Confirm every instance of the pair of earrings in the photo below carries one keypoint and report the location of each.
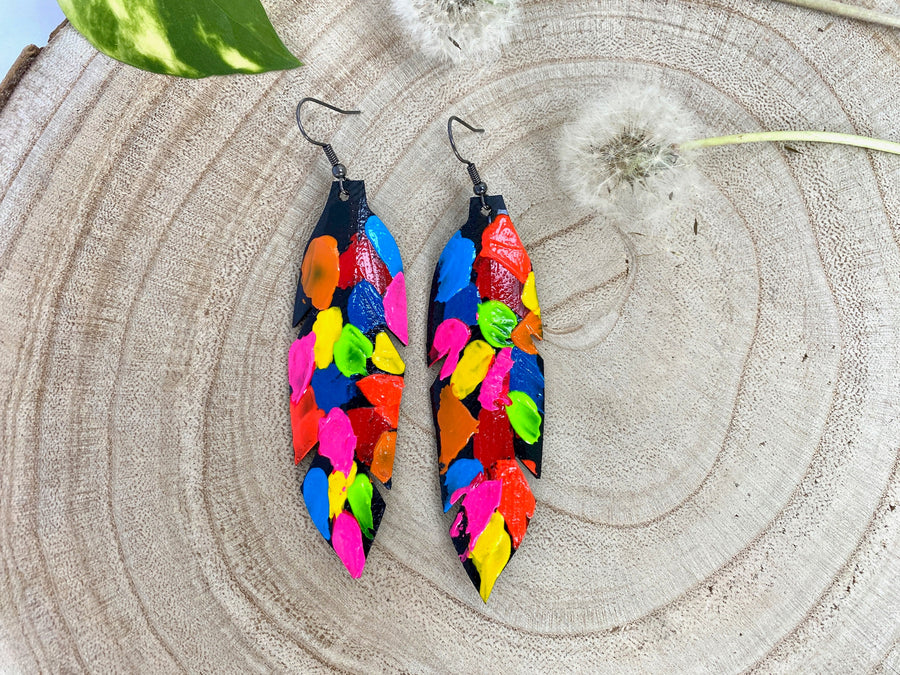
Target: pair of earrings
(346, 373)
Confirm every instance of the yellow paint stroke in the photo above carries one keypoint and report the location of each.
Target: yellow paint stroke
(491, 553)
(529, 295)
(471, 369)
(337, 490)
(327, 328)
(386, 357)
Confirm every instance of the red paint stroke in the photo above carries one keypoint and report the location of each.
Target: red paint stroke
(383, 392)
(361, 261)
(305, 416)
(516, 501)
(368, 425)
(495, 282)
(501, 242)
(494, 440)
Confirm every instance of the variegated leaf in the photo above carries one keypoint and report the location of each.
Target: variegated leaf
(187, 39)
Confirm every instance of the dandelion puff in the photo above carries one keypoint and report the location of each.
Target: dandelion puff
(457, 30)
(621, 155)
(629, 157)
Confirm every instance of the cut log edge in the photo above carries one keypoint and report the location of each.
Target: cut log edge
(15, 74)
(21, 66)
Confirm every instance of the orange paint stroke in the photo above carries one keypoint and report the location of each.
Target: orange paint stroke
(382, 466)
(321, 271)
(456, 424)
(529, 328)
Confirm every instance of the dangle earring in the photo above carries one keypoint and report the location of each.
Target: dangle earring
(345, 374)
(488, 399)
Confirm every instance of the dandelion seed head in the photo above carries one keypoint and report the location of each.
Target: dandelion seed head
(458, 30)
(621, 154)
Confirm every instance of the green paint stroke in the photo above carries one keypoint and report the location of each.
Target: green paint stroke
(524, 416)
(496, 322)
(360, 497)
(176, 37)
(351, 351)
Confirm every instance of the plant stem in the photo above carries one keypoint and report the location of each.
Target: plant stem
(849, 11)
(796, 137)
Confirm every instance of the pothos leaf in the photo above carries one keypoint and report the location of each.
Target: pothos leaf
(194, 38)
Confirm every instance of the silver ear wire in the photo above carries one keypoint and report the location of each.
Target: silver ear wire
(338, 170)
(479, 187)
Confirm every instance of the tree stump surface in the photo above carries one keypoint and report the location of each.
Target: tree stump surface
(721, 484)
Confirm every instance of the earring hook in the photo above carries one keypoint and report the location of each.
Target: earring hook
(450, 122)
(338, 170)
(479, 187)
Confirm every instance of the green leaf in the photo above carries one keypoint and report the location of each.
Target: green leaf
(188, 38)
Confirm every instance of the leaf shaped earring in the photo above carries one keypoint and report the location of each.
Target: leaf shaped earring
(345, 374)
(488, 399)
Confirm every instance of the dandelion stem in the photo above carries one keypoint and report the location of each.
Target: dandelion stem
(849, 11)
(795, 137)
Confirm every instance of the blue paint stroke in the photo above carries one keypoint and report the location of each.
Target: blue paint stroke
(455, 267)
(384, 244)
(315, 494)
(365, 308)
(527, 376)
(464, 306)
(460, 474)
(332, 388)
